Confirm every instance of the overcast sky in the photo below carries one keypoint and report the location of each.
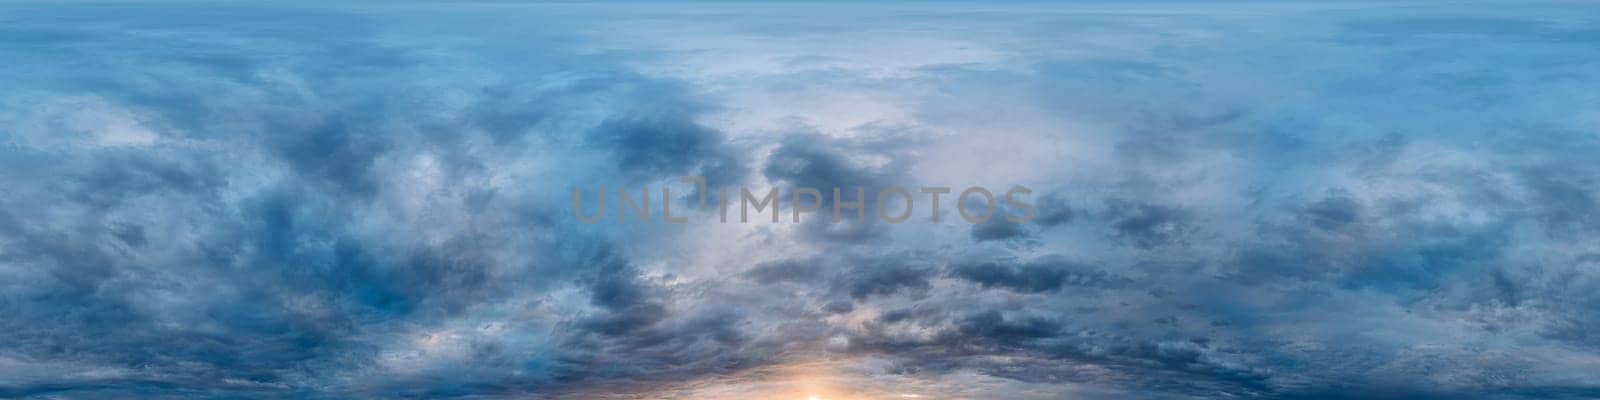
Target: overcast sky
(372, 200)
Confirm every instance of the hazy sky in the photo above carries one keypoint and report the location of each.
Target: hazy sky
(372, 200)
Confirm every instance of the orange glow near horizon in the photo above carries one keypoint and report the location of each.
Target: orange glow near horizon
(818, 380)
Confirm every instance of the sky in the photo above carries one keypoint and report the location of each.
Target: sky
(331, 200)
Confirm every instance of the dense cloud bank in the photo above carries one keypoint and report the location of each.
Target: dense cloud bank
(371, 201)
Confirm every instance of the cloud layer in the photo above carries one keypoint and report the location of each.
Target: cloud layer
(372, 201)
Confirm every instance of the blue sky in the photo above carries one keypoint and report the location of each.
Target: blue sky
(371, 200)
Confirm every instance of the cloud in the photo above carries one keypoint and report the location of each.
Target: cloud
(371, 201)
(997, 228)
(1046, 275)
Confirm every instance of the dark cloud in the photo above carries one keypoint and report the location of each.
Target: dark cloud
(1046, 275)
(1053, 211)
(1335, 211)
(864, 279)
(1148, 225)
(810, 160)
(996, 327)
(668, 147)
(629, 304)
(997, 228)
(785, 271)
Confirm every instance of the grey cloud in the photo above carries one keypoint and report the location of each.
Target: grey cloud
(997, 228)
(881, 278)
(824, 163)
(785, 271)
(668, 147)
(1045, 275)
(1148, 225)
(1053, 211)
